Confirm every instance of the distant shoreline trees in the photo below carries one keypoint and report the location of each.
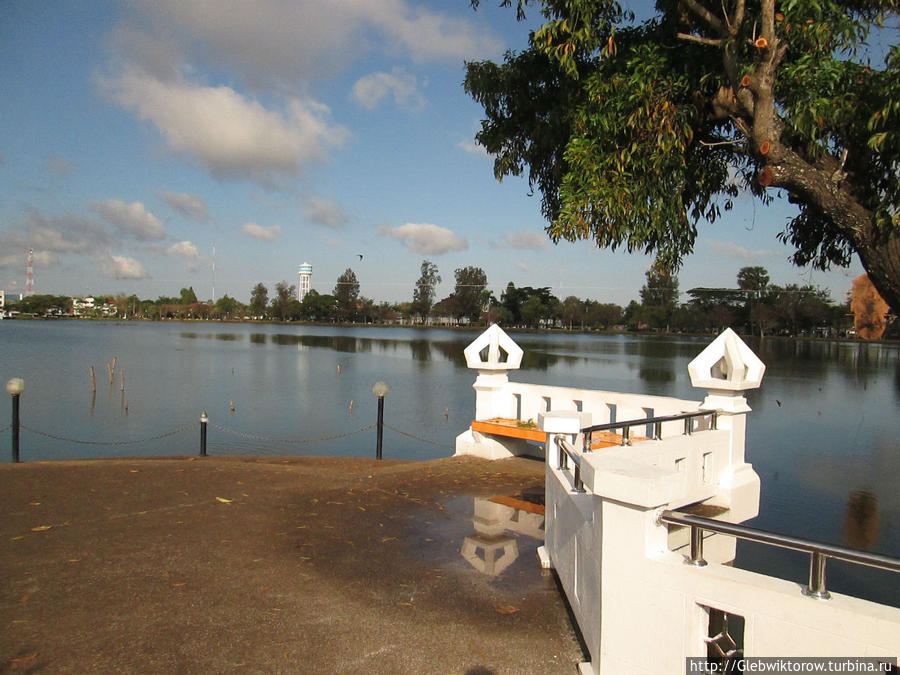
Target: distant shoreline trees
(754, 306)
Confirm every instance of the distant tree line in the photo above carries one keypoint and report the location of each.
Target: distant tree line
(754, 306)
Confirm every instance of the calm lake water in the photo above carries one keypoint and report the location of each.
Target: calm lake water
(824, 434)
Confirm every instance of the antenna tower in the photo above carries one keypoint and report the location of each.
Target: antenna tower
(29, 273)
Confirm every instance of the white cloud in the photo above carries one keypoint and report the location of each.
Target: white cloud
(532, 241)
(131, 218)
(473, 148)
(122, 267)
(278, 44)
(426, 238)
(187, 252)
(262, 233)
(324, 212)
(370, 90)
(729, 249)
(187, 205)
(229, 134)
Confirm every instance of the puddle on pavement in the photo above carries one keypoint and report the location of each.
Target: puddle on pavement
(495, 538)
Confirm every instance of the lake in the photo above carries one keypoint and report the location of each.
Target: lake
(824, 434)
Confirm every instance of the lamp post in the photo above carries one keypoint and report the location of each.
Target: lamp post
(204, 420)
(380, 390)
(15, 387)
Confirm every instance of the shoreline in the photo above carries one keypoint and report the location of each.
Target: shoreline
(471, 328)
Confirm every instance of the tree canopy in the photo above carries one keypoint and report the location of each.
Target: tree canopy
(637, 132)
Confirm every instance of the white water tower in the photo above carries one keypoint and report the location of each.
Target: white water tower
(305, 280)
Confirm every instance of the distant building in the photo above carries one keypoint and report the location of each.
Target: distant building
(305, 281)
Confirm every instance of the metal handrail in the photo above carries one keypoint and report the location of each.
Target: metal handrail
(657, 423)
(566, 451)
(818, 551)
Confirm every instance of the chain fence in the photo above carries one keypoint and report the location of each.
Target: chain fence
(244, 436)
(179, 430)
(417, 438)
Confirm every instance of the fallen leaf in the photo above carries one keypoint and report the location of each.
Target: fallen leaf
(506, 609)
(134, 470)
(361, 508)
(74, 559)
(41, 528)
(24, 659)
(17, 538)
(386, 539)
(179, 584)
(223, 500)
(34, 503)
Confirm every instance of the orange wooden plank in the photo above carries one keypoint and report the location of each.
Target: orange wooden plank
(504, 427)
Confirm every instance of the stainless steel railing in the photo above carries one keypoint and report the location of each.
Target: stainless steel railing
(818, 552)
(656, 422)
(567, 452)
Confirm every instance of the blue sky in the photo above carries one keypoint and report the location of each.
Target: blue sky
(135, 137)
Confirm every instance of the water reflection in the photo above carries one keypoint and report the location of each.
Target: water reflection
(498, 522)
(861, 526)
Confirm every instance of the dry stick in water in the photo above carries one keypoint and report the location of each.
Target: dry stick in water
(93, 380)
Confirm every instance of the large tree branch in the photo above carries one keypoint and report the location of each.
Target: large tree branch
(706, 16)
(712, 42)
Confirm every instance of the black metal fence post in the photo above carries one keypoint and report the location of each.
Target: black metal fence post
(204, 420)
(15, 428)
(380, 432)
(14, 388)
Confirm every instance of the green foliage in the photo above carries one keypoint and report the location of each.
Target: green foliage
(346, 294)
(468, 292)
(423, 294)
(635, 133)
(259, 300)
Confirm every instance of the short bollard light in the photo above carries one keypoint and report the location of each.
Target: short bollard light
(380, 390)
(15, 387)
(204, 420)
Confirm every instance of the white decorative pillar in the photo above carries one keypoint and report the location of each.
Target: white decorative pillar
(726, 369)
(502, 355)
(493, 354)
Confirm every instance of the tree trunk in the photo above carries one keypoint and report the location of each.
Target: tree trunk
(879, 252)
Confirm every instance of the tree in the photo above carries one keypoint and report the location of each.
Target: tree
(659, 297)
(423, 295)
(752, 280)
(636, 132)
(346, 293)
(281, 303)
(470, 286)
(188, 297)
(317, 307)
(573, 311)
(227, 307)
(259, 300)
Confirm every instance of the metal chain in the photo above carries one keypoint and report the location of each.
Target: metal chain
(418, 438)
(254, 437)
(179, 430)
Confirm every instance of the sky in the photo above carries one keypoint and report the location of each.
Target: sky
(147, 147)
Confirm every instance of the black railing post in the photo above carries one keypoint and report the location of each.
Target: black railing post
(204, 420)
(15, 387)
(380, 432)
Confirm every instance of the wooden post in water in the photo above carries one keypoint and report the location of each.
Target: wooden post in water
(123, 379)
(93, 381)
